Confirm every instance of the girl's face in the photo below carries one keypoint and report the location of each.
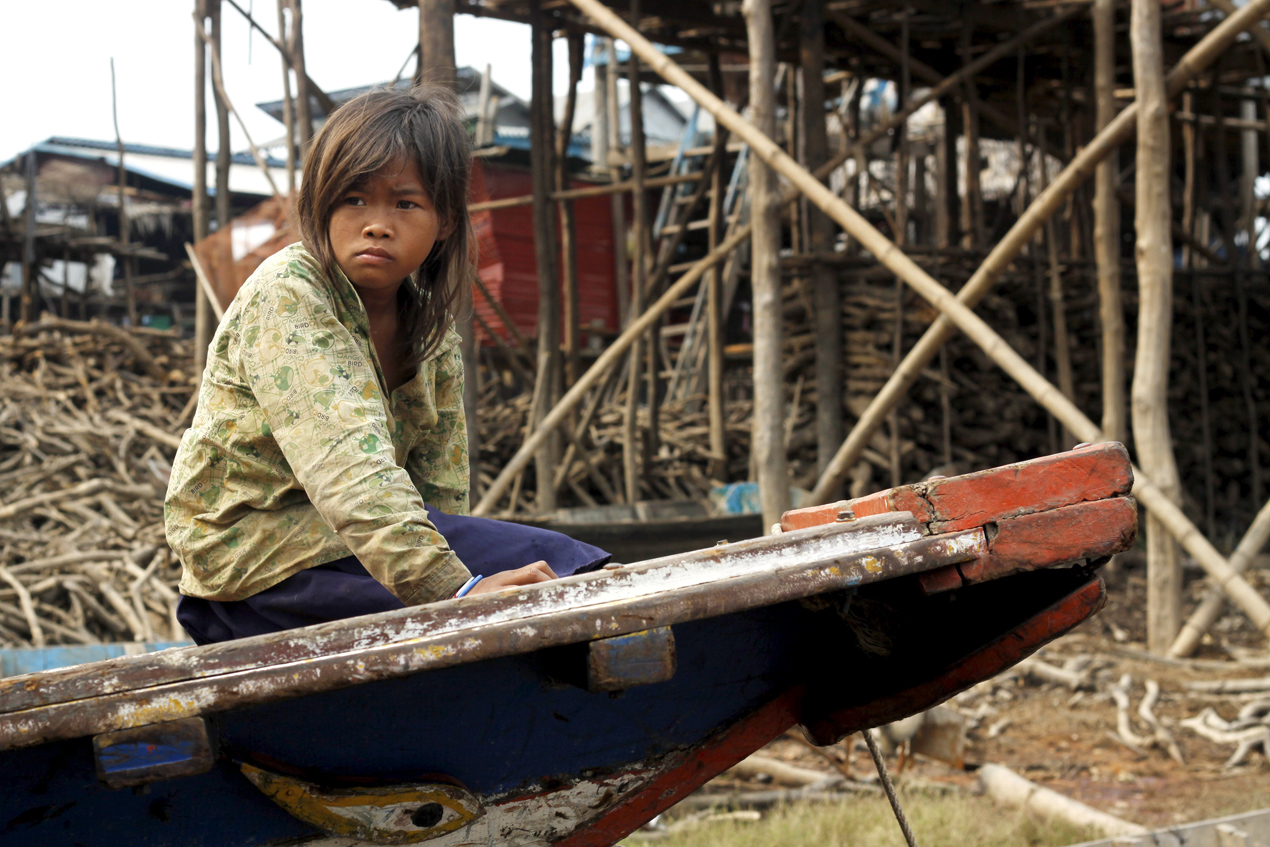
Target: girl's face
(383, 229)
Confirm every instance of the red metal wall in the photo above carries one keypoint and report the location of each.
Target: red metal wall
(508, 263)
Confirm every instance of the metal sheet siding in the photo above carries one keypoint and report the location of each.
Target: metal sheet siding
(508, 262)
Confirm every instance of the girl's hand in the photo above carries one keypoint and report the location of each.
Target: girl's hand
(528, 575)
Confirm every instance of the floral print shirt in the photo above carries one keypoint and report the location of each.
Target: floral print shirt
(296, 458)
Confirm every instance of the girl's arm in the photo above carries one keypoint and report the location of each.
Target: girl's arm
(321, 399)
(439, 462)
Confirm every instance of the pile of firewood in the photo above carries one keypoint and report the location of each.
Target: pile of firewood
(90, 416)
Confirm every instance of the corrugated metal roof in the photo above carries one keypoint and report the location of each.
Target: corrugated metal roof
(166, 164)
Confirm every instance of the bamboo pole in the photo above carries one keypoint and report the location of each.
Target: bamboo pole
(958, 313)
(1058, 310)
(1107, 228)
(30, 270)
(972, 224)
(1258, 32)
(1154, 250)
(129, 265)
(617, 206)
(288, 105)
(875, 42)
(522, 343)
(223, 101)
(304, 108)
(437, 67)
(568, 216)
(1249, 171)
(224, 208)
(279, 44)
(580, 193)
(1008, 248)
(714, 297)
(608, 359)
(547, 251)
(1210, 608)
(942, 85)
(631, 442)
(204, 284)
(766, 442)
(199, 206)
(826, 296)
(901, 239)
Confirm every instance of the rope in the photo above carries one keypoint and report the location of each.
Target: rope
(889, 787)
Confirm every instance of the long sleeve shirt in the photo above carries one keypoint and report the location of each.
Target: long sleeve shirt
(295, 458)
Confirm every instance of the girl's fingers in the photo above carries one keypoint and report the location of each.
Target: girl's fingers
(542, 567)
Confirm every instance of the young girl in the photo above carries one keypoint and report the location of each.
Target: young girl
(331, 408)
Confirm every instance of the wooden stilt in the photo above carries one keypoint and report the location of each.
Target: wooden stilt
(953, 307)
(304, 108)
(30, 270)
(901, 238)
(437, 67)
(1249, 171)
(1058, 311)
(129, 263)
(826, 297)
(1155, 313)
(766, 442)
(546, 248)
(718, 468)
(568, 219)
(1189, 260)
(634, 453)
(288, 104)
(617, 203)
(644, 261)
(1107, 228)
(873, 41)
(972, 224)
(224, 206)
(1007, 249)
(945, 180)
(199, 205)
(436, 43)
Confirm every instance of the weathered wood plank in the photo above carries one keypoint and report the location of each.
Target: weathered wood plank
(192, 681)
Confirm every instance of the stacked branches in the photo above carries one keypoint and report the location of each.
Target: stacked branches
(86, 443)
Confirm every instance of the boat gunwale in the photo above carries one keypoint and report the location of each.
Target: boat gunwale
(319, 670)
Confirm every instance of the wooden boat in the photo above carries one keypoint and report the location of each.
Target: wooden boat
(574, 711)
(649, 530)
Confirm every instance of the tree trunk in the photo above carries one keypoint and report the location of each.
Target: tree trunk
(1154, 251)
(199, 208)
(546, 248)
(1107, 228)
(769, 388)
(825, 293)
(303, 109)
(436, 43)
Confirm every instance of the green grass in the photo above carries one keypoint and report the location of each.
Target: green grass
(956, 820)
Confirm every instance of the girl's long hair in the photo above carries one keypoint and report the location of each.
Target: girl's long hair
(427, 126)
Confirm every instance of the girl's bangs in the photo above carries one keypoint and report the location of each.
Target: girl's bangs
(371, 153)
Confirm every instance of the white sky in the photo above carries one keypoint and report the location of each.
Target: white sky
(55, 64)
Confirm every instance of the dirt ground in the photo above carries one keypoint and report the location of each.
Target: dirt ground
(1066, 739)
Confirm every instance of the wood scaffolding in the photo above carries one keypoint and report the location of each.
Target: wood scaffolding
(842, 199)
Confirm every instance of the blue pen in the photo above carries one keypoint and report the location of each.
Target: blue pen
(468, 586)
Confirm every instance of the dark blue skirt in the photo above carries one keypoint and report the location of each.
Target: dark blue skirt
(343, 588)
